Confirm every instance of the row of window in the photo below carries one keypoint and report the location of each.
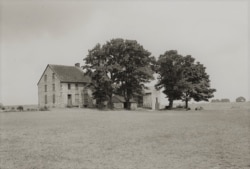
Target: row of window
(53, 99)
(54, 87)
(53, 77)
(69, 86)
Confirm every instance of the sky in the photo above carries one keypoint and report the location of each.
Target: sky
(36, 33)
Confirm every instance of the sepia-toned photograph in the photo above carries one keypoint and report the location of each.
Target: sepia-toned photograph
(143, 84)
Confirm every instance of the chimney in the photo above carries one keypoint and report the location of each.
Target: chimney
(77, 65)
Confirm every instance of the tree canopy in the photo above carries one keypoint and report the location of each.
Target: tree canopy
(169, 69)
(240, 99)
(182, 78)
(119, 66)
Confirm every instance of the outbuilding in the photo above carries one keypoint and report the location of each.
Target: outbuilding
(120, 103)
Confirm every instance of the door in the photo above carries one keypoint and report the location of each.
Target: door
(69, 100)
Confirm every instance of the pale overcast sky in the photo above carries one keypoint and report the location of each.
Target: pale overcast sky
(36, 33)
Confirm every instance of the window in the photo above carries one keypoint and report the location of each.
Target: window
(45, 99)
(53, 76)
(77, 99)
(45, 78)
(53, 87)
(76, 86)
(54, 98)
(45, 88)
(69, 87)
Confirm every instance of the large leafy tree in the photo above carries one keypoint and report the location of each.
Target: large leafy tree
(182, 78)
(169, 67)
(98, 68)
(196, 82)
(125, 67)
(136, 67)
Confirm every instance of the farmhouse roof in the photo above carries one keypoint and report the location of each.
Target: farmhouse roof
(69, 74)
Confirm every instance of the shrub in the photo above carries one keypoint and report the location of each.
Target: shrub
(101, 106)
(179, 106)
(44, 108)
(225, 100)
(240, 99)
(215, 100)
(167, 107)
(20, 108)
(199, 108)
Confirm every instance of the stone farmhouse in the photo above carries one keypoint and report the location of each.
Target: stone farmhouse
(64, 86)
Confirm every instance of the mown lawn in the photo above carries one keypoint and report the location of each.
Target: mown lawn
(91, 139)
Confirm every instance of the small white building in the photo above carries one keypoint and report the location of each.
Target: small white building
(152, 98)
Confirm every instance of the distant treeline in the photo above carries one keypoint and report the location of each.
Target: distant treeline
(218, 100)
(238, 99)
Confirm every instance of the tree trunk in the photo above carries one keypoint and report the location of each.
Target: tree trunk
(186, 100)
(127, 105)
(186, 103)
(110, 103)
(170, 105)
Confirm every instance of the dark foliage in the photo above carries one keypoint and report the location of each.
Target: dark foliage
(45, 108)
(182, 78)
(119, 66)
(20, 108)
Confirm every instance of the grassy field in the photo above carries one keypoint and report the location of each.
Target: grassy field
(92, 139)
